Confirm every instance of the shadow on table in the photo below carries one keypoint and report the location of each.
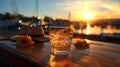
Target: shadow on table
(67, 60)
(78, 54)
(30, 49)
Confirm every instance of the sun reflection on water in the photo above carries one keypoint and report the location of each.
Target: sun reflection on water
(88, 31)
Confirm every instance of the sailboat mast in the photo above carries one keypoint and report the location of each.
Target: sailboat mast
(37, 8)
(69, 16)
(83, 9)
(14, 7)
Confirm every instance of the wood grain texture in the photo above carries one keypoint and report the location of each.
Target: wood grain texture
(100, 54)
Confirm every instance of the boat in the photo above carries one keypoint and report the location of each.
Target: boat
(33, 27)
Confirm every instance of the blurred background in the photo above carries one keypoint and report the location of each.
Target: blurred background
(92, 19)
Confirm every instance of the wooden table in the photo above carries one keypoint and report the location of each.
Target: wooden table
(100, 54)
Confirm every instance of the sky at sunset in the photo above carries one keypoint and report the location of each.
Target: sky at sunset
(79, 9)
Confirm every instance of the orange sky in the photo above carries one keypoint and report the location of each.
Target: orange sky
(92, 9)
(79, 9)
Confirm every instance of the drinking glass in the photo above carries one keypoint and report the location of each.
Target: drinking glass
(60, 40)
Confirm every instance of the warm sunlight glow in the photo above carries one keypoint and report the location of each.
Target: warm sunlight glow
(88, 29)
(87, 32)
(58, 61)
(79, 31)
(88, 16)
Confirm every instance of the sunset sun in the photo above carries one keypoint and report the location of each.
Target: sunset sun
(88, 16)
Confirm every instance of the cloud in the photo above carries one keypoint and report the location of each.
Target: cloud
(108, 8)
(69, 5)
